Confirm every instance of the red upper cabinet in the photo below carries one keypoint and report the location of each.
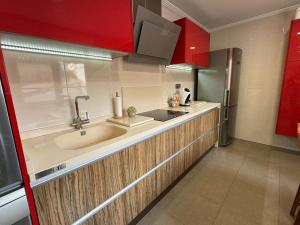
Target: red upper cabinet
(192, 46)
(96, 23)
(289, 108)
(294, 42)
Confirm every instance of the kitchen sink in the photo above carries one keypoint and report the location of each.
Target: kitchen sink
(77, 140)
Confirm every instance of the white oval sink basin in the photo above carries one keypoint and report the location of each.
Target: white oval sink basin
(94, 135)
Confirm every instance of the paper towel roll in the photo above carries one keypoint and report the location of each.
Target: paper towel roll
(118, 108)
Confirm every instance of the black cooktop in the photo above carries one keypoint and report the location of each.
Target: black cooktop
(162, 114)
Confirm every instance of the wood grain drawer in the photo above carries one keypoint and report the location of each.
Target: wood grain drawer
(65, 200)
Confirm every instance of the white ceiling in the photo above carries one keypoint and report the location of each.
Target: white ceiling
(217, 13)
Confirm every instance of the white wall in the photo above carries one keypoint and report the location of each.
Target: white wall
(44, 86)
(264, 43)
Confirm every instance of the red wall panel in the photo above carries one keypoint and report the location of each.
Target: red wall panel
(179, 53)
(289, 108)
(294, 42)
(97, 23)
(18, 143)
(193, 45)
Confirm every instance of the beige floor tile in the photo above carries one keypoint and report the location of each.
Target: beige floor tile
(245, 148)
(284, 159)
(254, 198)
(245, 203)
(251, 185)
(205, 161)
(158, 213)
(162, 218)
(254, 167)
(257, 151)
(181, 184)
(242, 184)
(224, 157)
(289, 182)
(273, 171)
(212, 184)
(191, 209)
(285, 218)
(165, 219)
(215, 170)
(231, 218)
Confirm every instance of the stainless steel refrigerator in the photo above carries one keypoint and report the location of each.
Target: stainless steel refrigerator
(220, 83)
(13, 202)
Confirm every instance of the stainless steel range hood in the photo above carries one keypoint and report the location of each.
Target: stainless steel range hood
(155, 38)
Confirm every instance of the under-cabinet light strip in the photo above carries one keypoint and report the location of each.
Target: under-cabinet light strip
(177, 67)
(52, 52)
(124, 190)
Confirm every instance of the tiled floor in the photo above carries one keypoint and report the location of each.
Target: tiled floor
(243, 184)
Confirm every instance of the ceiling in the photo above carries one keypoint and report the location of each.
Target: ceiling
(217, 13)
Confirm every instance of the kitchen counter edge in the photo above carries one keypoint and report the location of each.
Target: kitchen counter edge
(159, 129)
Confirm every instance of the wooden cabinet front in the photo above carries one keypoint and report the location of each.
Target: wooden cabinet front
(67, 199)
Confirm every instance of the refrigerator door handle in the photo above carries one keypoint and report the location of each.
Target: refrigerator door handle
(226, 112)
(227, 96)
(226, 104)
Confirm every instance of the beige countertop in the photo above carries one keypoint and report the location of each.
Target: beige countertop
(42, 153)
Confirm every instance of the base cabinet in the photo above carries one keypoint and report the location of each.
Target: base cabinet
(67, 199)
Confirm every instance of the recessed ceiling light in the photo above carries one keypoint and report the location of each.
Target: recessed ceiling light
(192, 47)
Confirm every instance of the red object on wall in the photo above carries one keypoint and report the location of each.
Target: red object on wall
(17, 138)
(192, 46)
(289, 109)
(96, 23)
(294, 42)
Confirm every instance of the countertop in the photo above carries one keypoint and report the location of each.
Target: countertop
(42, 153)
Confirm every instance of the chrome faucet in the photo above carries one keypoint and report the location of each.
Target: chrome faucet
(78, 122)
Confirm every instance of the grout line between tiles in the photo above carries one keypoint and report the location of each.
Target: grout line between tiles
(65, 74)
(279, 190)
(169, 214)
(226, 196)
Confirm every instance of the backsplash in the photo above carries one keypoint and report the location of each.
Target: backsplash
(44, 86)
